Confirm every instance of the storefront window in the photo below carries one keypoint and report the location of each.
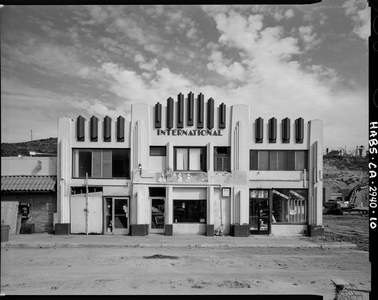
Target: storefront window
(101, 163)
(190, 159)
(189, 211)
(279, 160)
(289, 206)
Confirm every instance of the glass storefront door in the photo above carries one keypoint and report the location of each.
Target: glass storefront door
(157, 215)
(117, 215)
(259, 213)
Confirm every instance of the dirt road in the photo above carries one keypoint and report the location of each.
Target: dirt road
(104, 271)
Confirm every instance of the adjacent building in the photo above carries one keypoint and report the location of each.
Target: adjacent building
(189, 167)
(30, 184)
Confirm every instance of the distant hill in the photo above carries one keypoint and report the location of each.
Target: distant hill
(48, 146)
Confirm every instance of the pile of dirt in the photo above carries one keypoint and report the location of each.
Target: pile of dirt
(344, 171)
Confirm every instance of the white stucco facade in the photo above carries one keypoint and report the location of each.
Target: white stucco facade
(188, 155)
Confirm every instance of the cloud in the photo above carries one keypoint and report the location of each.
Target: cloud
(360, 15)
(232, 71)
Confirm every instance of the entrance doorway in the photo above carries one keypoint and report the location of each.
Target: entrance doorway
(157, 215)
(259, 213)
(116, 215)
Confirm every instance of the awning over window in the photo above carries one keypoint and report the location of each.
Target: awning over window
(28, 183)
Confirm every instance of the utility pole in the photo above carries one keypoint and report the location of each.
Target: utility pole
(31, 135)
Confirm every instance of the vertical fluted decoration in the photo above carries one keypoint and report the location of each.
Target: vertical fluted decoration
(120, 129)
(107, 129)
(200, 111)
(80, 129)
(158, 115)
(170, 106)
(286, 130)
(299, 130)
(272, 130)
(222, 116)
(210, 113)
(259, 130)
(180, 111)
(190, 110)
(94, 129)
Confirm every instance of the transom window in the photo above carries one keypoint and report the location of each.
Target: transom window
(190, 159)
(281, 160)
(101, 163)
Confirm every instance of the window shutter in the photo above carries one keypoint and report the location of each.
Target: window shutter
(106, 163)
(96, 160)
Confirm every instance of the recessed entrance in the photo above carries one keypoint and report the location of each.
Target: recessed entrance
(116, 215)
(259, 213)
(157, 215)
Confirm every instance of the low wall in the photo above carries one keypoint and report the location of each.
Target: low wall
(188, 228)
(289, 229)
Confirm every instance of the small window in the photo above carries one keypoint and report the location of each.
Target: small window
(157, 192)
(158, 151)
(222, 159)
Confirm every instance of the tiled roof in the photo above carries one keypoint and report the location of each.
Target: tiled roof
(28, 183)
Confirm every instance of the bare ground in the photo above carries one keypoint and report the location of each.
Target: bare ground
(352, 228)
(135, 271)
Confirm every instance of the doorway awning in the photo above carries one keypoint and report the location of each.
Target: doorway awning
(26, 183)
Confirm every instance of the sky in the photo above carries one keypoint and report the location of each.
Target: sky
(308, 61)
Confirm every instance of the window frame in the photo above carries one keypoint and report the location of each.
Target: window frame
(202, 204)
(291, 218)
(100, 165)
(202, 162)
(223, 157)
(288, 162)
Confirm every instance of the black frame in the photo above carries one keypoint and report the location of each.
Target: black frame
(127, 163)
(259, 201)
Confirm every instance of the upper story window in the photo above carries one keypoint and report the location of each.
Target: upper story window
(190, 159)
(280, 160)
(222, 159)
(158, 158)
(101, 163)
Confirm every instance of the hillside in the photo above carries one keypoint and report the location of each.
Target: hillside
(339, 171)
(43, 146)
